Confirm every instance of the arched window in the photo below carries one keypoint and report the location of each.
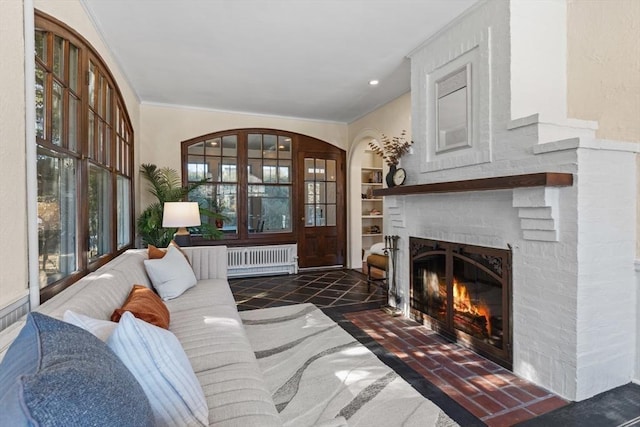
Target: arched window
(85, 153)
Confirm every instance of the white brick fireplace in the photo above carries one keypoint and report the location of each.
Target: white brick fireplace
(575, 304)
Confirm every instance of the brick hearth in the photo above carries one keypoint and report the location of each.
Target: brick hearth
(487, 390)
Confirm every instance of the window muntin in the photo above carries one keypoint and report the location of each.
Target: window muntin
(85, 146)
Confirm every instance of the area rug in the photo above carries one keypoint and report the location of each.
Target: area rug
(317, 371)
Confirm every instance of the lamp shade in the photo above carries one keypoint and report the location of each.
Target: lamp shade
(181, 214)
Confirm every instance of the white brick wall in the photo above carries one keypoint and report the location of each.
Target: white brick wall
(575, 302)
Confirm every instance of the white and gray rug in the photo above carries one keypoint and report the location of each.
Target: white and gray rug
(317, 371)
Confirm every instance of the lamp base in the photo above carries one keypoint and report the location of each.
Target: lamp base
(183, 240)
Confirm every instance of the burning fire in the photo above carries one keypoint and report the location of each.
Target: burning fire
(462, 303)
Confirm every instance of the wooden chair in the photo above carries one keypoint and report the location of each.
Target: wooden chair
(379, 262)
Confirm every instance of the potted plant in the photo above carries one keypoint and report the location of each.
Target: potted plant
(166, 186)
(218, 207)
(391, 149)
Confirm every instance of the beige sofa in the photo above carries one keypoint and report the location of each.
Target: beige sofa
(204, 319)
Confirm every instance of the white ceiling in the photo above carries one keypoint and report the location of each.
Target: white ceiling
(297, 58)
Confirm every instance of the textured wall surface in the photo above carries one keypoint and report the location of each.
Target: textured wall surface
(567, 335)
(603, 65)
(13, 217)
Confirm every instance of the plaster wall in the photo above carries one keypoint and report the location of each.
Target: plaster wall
(390, 119)
(603, 66)
(13, 193)
(165, 127)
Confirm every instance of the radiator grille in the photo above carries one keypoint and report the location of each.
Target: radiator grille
(13, 312)
(262, 260)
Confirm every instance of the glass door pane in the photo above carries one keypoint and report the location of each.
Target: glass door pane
(321, 192)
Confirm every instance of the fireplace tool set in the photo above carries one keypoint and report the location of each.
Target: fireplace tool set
(391, 250)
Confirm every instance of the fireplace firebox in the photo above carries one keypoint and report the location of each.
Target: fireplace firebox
(464, 293)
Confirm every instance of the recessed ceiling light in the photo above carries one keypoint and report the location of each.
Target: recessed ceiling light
(373, 82)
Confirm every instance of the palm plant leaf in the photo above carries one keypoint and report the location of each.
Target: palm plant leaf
(166, 186)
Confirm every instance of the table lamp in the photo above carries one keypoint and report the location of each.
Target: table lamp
(181, 215)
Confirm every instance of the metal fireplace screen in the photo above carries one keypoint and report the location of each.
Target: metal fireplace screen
(464, 293)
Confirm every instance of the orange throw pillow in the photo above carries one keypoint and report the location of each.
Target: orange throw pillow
(156, 253)
(146, 305)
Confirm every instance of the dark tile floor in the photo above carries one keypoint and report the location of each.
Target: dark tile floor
(346, 289)
(479, 391)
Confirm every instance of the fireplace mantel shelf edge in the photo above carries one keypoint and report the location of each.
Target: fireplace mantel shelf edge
(543, 179)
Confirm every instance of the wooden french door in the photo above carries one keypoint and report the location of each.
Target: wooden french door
(321, 201)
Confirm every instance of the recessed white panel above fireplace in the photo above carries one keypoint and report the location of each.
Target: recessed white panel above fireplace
(453, 123)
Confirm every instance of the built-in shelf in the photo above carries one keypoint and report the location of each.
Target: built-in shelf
(371, 180)
(544, 179)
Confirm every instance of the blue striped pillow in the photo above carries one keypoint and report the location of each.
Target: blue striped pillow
(157, 360)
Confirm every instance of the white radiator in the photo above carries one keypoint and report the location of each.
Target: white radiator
(262, 260)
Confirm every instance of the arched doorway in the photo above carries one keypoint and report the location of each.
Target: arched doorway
(359, 163)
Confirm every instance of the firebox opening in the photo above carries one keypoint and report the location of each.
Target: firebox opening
(463, 292)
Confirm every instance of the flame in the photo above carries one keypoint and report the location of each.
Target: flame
(462, 302)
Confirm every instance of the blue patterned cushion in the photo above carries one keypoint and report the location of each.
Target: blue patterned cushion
(56, 374)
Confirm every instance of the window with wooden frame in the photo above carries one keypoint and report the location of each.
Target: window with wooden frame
(249, 177)
(84, 143)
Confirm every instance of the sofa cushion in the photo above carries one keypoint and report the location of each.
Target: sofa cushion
(102, 329)
(55, 373)
(170, 275)
(206, 322)
(144, 304)
(157, 360)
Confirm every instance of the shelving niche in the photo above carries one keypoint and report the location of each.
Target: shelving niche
(371, 178)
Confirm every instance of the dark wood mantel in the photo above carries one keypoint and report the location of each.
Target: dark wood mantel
(544, 179)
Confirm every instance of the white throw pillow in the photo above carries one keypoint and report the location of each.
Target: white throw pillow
(100, 328)
(155, 357)
(170, 275)
(377, 248)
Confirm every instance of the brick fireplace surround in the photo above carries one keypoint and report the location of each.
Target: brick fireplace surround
(575, 297)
